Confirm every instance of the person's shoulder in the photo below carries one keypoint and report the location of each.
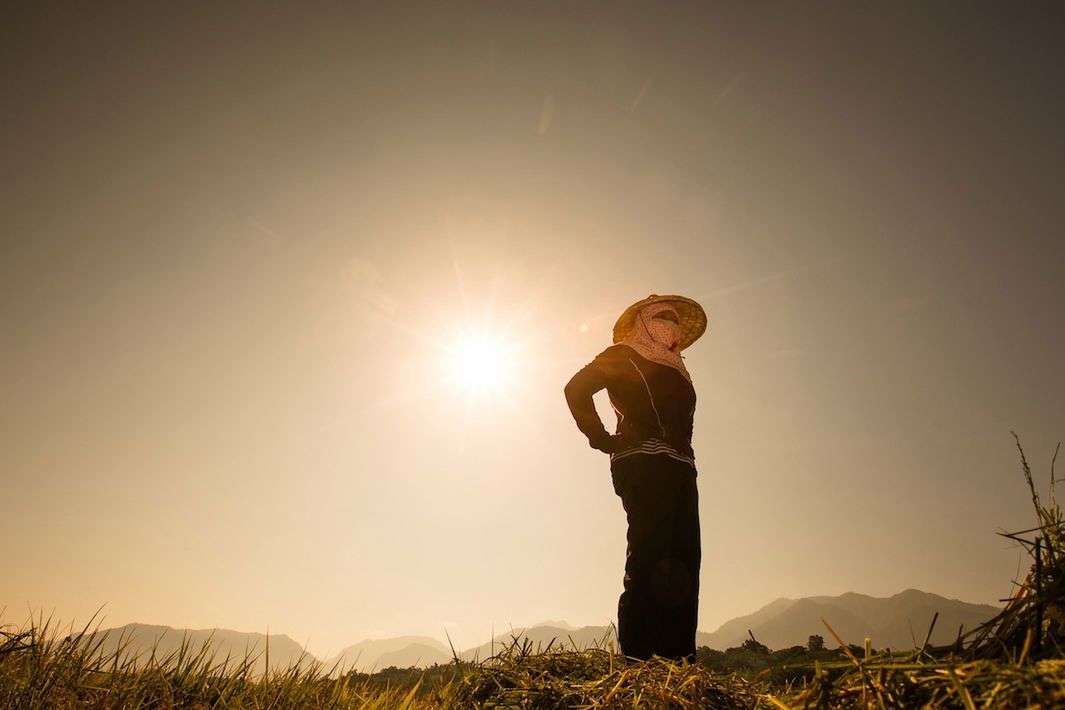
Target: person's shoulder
(616, 356)
(617, 351)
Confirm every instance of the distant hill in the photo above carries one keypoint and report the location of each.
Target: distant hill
(402, 652)
(543, 634)
(418, 655)
(899, 621)
(139, 640)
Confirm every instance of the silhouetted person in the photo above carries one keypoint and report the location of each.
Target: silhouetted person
(653, 469)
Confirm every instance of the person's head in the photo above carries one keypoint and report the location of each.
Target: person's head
(678, 320)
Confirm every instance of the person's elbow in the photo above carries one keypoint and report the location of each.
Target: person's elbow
(572, 391)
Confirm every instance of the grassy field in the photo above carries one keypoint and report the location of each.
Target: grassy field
(1014, 661)
(37, 671)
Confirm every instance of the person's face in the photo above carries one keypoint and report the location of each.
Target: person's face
(663, 324)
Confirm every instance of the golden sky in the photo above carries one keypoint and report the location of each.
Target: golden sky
(241, 245)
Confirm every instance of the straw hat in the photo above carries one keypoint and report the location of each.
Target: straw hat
(691, 314)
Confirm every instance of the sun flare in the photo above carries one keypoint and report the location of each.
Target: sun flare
(478, 362)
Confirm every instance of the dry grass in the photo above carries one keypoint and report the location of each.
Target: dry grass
(1033, 621)
(37, 672)
(597, 678)
(948, 684)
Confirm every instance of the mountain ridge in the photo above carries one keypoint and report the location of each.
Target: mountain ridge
(899, 621)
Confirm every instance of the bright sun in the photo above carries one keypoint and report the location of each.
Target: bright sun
(478, 362)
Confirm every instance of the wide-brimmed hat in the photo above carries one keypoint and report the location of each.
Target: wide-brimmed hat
(691, 315)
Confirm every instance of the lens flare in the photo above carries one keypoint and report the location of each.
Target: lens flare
(478, 363)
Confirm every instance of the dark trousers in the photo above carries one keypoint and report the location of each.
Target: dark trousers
(658, 611)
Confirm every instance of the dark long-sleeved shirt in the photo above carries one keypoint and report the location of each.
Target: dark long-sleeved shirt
(652, 401)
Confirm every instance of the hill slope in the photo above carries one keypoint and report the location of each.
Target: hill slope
(899, 621)
(140, 641)
(402, 652)
(542, 635)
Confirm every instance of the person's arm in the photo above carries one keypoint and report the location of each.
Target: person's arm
(579, 390)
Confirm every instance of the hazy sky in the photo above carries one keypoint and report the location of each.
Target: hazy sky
(240, 243)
